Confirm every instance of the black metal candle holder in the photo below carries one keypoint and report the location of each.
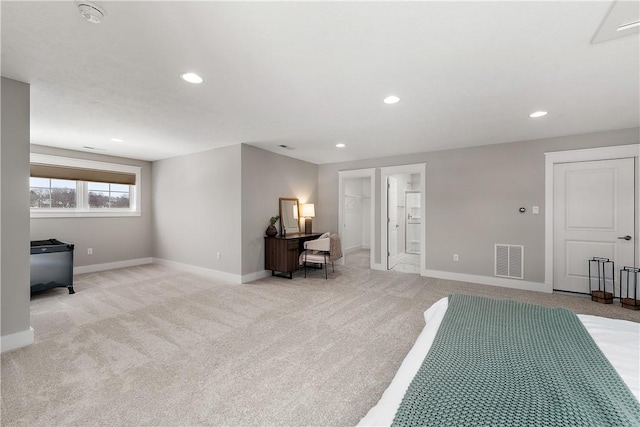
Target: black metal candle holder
(601, 279)
(629, 288)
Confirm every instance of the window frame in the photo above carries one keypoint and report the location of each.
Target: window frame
(50, 188)
(82, 192)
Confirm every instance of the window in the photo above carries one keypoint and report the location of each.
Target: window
(67, 187)
(105, 195)
(53, 193)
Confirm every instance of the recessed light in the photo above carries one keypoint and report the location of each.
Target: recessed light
(391, 99)
(117, 140)
(340, 145)
(538, 114)
(192, 78)
(628, 26)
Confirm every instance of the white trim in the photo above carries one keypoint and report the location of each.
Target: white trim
(379, 267)
(420, 168)
(82, 214)
(93, 268)
(83, 211)
(490, 281)
(590, 154)
(16, 340)
(584, 155)
(201, 271)
(357, 173)
(255, 276)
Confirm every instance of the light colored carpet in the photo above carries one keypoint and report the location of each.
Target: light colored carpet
(149, 345)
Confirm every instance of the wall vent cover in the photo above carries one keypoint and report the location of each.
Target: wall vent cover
(509, 261)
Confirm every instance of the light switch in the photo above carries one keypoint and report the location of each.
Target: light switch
(535, 210)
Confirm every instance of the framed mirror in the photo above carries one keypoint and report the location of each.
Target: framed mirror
(289, 216)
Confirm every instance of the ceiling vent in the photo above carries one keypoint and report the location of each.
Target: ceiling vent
(91, 11)
(621, 21)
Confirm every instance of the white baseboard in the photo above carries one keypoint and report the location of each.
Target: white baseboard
(491, 281)
(380, 267)
(111, 265)
(201, 271)
(256, 276)
(16, 340)
(237, 279)
(356, 248)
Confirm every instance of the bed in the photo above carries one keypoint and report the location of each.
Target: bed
(617, 340)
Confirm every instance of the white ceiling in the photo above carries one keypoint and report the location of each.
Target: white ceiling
(311, 74)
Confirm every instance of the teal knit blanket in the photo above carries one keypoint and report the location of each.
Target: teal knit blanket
(508, 363)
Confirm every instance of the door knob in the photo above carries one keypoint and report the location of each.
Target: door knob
(627, 237)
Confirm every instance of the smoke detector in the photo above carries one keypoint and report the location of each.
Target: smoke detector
(91, 11)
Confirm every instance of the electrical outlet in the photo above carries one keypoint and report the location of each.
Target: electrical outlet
(536, 210)
(456, 257)
(217, 255)
(90, 251)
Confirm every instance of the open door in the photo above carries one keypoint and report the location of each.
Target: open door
(392, 222)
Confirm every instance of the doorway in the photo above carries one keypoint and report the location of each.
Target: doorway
(402, 226)
(356, 213)
(591, 209)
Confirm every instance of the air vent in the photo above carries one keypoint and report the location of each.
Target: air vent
(509, 261)
(619, 22)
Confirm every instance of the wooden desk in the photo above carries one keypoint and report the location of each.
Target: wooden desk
(281, 252)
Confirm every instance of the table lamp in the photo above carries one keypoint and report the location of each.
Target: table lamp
(308, 212)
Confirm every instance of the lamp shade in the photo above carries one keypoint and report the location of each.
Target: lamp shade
(308, 210)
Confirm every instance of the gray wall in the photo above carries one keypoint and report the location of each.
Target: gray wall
(196, 204)
(14, 207)
(221, 201)
(105, 235)
(265, 178)
(473, 196)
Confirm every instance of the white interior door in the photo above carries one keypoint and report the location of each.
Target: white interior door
(593, 204)
(392, 222)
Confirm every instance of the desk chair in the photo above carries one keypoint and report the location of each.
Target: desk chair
(321, 251)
